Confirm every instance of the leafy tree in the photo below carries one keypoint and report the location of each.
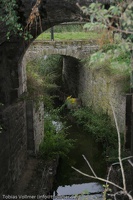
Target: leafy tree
(9, 17)
(118, 17)
(115, 52)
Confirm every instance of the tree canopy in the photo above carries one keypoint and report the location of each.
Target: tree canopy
(118, 17)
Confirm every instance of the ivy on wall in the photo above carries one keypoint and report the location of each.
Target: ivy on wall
(9, 16)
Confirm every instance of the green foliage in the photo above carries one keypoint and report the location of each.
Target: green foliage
(9, 17)
(51, 65)
(127, 19)
(119, 16)
(94, 26)
(93, 11)
(100, 126)
(115, 59)
(42, 79)
(55, 140)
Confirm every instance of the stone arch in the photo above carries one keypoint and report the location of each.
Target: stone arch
(12, 51)
(14, 137)
(75, 48)
(70, 69)
(52, 12)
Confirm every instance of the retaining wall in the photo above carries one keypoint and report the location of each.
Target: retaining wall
(96, 88)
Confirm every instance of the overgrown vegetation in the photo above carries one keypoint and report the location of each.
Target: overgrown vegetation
(114, 58)
(10, 18)
(55, 142)
(123, 189)
(114, 55)
(8, 15)
(118, 17)
(43, 77)
(100, 126)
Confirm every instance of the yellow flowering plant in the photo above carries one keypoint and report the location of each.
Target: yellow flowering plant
(71, 102)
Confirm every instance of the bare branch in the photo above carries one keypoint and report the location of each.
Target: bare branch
(126, 158)
(89, 165)
(107, 181)
(94, 176)
(120, 30)
(97, 178)
(130, 162)
(109, 171)
(119, 150)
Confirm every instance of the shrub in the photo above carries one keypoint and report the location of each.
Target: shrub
(99, 125)
(55, 140)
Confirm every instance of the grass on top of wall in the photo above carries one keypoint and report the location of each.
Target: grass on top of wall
(69, 36)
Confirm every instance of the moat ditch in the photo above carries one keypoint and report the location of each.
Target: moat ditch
(67, 181)
(56, 178)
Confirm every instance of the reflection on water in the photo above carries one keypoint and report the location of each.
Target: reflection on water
(79, 191)
(75, 189)
(70, 182)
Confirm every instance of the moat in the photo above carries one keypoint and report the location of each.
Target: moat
(68, 181)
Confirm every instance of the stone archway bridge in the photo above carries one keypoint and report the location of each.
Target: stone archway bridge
(75, 48)
(16, 141)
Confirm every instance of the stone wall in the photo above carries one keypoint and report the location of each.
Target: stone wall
(19, 134)
(96, 88)
(34, 112)
(38, 122)
(70, 75)
(13, 139)
(13, 145)
(22, 76)
(74, 48)
(35, 125)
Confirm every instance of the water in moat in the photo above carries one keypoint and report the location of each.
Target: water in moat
(70, 183)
